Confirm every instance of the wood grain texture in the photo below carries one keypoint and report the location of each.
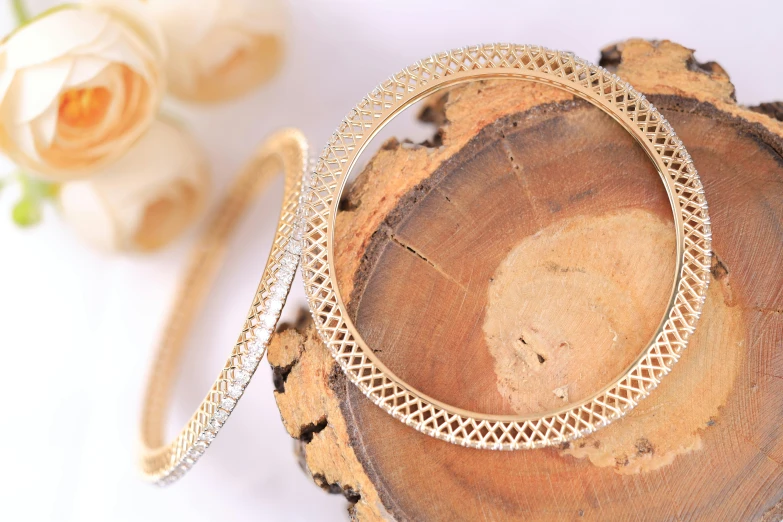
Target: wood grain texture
(520, 261)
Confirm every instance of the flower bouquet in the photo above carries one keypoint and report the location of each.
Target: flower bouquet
(81, 87)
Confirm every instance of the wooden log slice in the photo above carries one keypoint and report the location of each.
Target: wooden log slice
(520, 262)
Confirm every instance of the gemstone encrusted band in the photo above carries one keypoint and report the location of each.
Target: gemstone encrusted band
(162, 462)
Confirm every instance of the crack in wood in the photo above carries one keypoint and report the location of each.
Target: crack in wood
(772, 311)
(518, 171)
(456, 207)
(421, 256)
(540, 357)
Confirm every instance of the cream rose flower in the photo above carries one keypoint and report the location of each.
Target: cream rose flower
(146, 198)
(78, 85)
(223, 48)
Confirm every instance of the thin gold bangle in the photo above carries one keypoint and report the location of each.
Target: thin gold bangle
(607, 92)
(163, 462)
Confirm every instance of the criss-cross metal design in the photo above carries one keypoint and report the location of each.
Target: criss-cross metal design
(601, 88)
(165, 462)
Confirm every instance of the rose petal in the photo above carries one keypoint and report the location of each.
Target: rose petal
(222, 49)
(138, 17)
(33, 90)
(85, 69)
(45, 125)
(223, 44)
(156, 168)
(123, 51)
(85, 209)
(181, 22)
(256, 17)
(65, 29)
(23, 137)
(117, 32)
(6, 79)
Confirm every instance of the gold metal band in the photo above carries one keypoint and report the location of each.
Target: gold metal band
(164, 462)
(607, 92)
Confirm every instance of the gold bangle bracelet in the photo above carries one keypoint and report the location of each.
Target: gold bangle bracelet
(163, 462)
(607, 92)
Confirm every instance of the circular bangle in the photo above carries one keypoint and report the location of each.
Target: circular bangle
(599, 87)
(163, 462)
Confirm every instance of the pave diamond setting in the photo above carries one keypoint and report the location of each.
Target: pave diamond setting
(256, 346)
(164, 465)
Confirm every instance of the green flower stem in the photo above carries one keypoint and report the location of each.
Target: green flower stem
(28, 210)
(21, 13)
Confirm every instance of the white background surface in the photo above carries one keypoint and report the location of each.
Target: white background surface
(77, 327)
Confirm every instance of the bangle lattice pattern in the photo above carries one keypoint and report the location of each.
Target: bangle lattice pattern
(596, 85)
(165, 463)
